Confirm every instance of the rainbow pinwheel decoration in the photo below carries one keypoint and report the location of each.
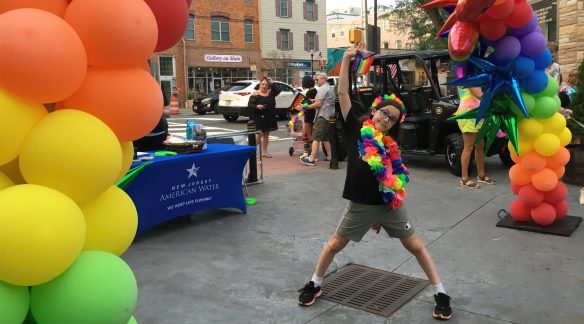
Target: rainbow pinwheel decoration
(362, 63)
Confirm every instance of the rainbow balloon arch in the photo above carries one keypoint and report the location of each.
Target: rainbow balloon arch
(518, 98)
(75, 91)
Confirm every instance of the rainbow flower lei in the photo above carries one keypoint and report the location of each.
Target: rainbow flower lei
(381, 152)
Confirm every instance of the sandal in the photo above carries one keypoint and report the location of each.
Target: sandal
(487, 180)
(469, 184)
(269, 156)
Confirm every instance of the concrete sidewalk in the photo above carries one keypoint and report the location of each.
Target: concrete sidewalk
(224, 267)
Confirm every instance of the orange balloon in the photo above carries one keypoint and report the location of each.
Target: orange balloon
(129, 101)
(545, 180)
(41, 57)
(560, 171)
(533, 162)
(56, 7)
(516, 158)
(519, 176)
(115, 33)
(559, 159)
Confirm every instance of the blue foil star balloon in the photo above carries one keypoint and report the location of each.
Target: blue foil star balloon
(493, 79)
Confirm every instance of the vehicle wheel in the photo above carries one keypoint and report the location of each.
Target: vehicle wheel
(291, 151)
(454, 145)
(214, 107)
(505, 156)
(201, 112)
(230, 118)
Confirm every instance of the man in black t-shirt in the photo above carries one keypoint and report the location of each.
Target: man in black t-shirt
(366, 208)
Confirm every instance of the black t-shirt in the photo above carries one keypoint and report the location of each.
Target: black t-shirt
(360, 184)
(310, 113)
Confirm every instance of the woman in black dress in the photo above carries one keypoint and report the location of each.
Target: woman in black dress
(309, 114)
(263, 111)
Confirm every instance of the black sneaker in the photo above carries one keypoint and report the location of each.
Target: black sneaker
(309, 294)
(306, 161)
(442, 310)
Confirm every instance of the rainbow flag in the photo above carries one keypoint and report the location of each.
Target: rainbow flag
(362, 63)
(298, 101)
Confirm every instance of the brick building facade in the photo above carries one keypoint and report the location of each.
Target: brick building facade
(571, 35)
(221, 45)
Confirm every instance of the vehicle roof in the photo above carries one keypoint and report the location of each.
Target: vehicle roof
(424, 55)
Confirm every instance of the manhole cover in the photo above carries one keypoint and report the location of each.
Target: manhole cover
(375, 291)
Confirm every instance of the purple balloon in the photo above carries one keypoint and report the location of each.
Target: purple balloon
(507, 48)
(538, 29)
(528, 28)
(533, 44)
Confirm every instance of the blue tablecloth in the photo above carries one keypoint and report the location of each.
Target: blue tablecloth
(174, 186)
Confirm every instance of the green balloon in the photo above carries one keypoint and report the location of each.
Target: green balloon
(545, 107)
(14, 302)
(558, 101)
(529, 102)
(551, 89)
(132, 320)
(98, 288)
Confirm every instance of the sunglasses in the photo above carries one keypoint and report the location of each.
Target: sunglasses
(386, 114)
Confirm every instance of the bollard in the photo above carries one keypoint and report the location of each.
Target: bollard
(253, 164)
(334, 163)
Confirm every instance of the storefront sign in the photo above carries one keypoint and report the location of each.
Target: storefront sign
(299, 64)
(223, 58)
(546, 11)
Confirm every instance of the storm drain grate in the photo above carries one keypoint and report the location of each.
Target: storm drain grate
(375, 291)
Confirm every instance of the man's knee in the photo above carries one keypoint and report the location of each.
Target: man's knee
(414, 244)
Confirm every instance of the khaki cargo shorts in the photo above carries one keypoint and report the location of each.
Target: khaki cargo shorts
(358, 218)
(322, 130)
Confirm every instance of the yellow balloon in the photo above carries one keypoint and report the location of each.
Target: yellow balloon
(524, 147)
(73, 152)
(12, 170)
(17, 118)
(547, 144)
(5, 181)
(41, 234)
(127, 158)
(554, 125)
(111, 221)
(565, 137)
(530, 128)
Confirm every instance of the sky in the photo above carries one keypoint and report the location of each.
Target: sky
(333, 4)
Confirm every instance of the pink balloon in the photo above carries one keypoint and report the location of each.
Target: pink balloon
(172, 17)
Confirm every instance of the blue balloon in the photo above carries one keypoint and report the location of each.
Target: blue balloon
(543, 60)
(523, 67)
(536, 82)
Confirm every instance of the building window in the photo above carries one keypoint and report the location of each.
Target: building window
(190, 31)
(385, 45)
(342, 32)
(398, 44)
(166, 66)
(310, 10)
(283, 8)
(311, 41)
(333, 33)
(248, 29)
(219, 29)
(285, 39)
(385, 25)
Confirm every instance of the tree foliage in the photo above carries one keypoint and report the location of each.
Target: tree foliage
(422, 24)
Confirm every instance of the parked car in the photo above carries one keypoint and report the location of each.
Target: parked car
(233, 101)
(426, 129)
(209, 103)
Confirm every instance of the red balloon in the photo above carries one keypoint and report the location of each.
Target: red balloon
(172, 17)
(559, 193)
(501, 11)
(492, 29)
(530, 196)
(189, 3)
(561, 210)
(545, 180)
(520, 16)
(515, 188)
(519, 211)
(544, 214)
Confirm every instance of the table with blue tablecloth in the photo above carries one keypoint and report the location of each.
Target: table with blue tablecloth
(174, 186)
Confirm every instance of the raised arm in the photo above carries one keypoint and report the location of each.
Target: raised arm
(343, 89)
(275, 89)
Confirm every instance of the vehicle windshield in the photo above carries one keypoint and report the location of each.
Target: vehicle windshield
(238, 86)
